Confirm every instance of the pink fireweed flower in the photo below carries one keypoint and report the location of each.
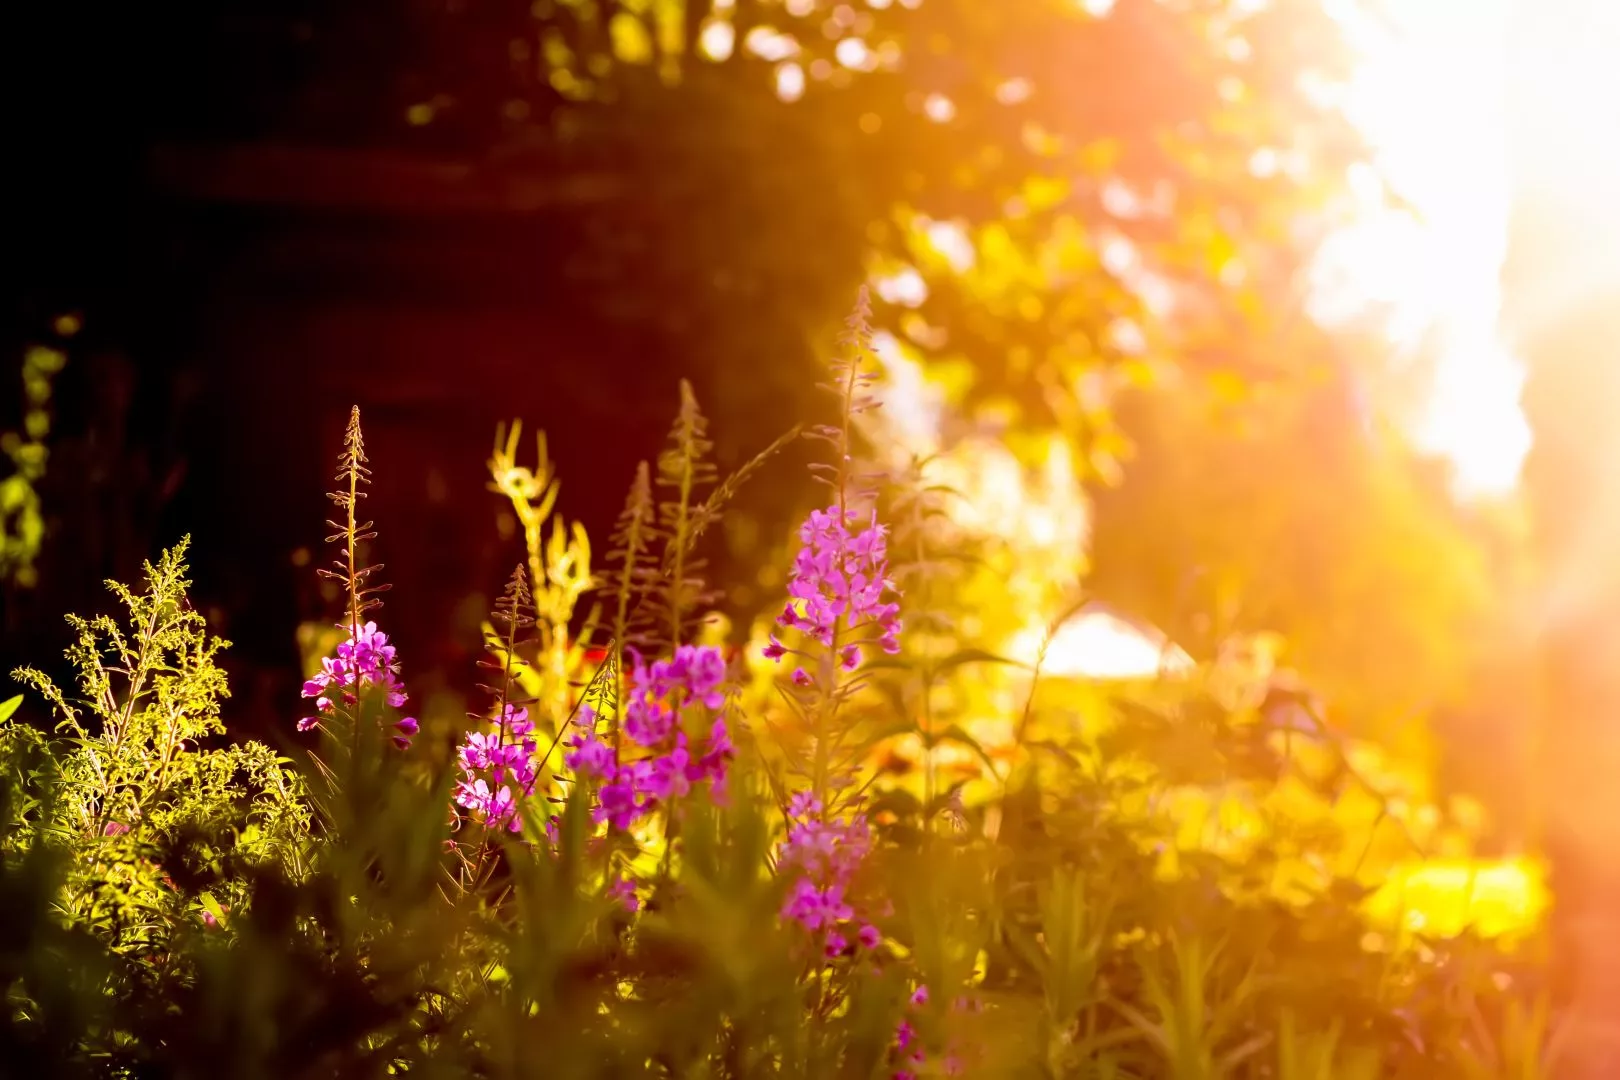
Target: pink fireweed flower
(908, 1047)
(696, 671)
(661, 704)
(498, 770)
(666, 774)
(658, 693)
(815, 908)
(648, 722)
(404, 731)
(803, 804)
(624, 892)
(591, 758)
(824, 856)
(718, 750)
(838, 586)
(909, 1050)
(618, 802)
(492, 806)
(826, 850)
(363, 661)
(515, 720)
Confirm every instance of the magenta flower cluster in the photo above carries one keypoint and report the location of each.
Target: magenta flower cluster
(660, 696)
(908, 1045)
(623, 892)
(498, 770)
(837, 588)
(824, 855)
(363, 661)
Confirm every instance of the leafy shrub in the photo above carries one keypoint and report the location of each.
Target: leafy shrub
(645, 856)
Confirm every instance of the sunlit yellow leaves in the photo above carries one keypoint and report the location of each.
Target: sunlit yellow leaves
(22, 527)
(632, 43)
(559, 567)
(1443, 899)
(1229, 388)
(1042, 193)
(1102, 156)
(560, 66)
(1039, 141)
(951, 241)
(1002, 259)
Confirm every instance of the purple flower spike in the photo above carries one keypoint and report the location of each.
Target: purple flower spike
(839, 581)
(364, 660)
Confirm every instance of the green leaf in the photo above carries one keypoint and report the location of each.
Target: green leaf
(955, 734)
(887, 663)
(211, 906)
(1026, 948)
(901, 802)
(972, 656)
(885, 731)
(1056, 751)
(8, 707)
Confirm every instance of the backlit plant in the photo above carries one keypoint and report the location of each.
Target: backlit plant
(136, 769)
(645, 857)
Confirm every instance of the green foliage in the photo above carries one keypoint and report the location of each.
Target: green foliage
(350, 533)
(22, 526)
(1086, 913)
(686, 475)
(633, 536)
(511, 626)
(171, 911)
(130, 780)
(1261, 514)
(661, 592)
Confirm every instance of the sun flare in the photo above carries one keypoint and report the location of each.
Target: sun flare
(1429, 94)
(1461, 103)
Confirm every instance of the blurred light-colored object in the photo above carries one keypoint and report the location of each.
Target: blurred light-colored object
(1563, 296)
(1430, 270)
(1447, 898)
(1097, 643)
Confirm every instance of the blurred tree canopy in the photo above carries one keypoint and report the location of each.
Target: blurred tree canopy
(1061, 175)
(1060, 200)
(1289, 511)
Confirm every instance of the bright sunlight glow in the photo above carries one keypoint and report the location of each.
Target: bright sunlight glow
(1430, 95)
(1097, 644)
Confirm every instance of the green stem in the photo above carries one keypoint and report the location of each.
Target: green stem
(350, 550)
(678, 568)
(137, 686)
